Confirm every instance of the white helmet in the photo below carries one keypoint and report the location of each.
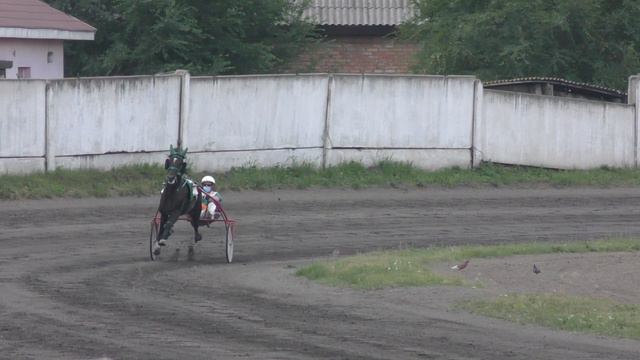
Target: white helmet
(208, 178)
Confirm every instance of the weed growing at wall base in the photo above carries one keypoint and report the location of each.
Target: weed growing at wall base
(145, 180)
(123, 181)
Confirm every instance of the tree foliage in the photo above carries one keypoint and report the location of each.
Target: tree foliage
(594, 41)
(202, 36)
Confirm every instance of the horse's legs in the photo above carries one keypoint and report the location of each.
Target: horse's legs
(194, 213)
(195, 224)
(169, 221)
(163, 223)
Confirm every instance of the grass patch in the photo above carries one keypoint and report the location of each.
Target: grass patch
(410, 267)
(147, 179)
(376, 270)
(564, 313)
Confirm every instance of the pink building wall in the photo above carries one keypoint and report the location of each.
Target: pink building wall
(44, 57)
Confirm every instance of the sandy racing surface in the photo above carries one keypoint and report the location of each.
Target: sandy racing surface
(76, 282)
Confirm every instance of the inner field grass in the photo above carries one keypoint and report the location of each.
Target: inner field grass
(600, 317)
(145, 180)
(410, 267)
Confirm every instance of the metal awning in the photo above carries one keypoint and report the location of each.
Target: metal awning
(5, 64)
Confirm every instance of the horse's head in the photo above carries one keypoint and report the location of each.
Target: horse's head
(175, 164)
(175, 168)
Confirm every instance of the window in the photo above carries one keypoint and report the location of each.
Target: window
(4, 65)
(24, 72)
(49, 57)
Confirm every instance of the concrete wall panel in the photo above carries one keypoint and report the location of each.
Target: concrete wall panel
(223, 161)
(401, 111)
(22, 118)
(556, 132)
(430, 159)
(110, 161)
(110, 115)
(256, 112)
(14, 166)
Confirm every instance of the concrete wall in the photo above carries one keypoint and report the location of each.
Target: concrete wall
(22, 126)
(556, 132)
(280, 120)
(426, 120)
(264, 120)
(92, 118)
(34, 54)
(430, 121)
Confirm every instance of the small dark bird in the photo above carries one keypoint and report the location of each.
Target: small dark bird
(536, 270)
(460, 266)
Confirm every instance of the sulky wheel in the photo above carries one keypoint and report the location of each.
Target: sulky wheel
(229, 242)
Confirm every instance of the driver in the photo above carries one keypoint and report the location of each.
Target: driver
(208, 209)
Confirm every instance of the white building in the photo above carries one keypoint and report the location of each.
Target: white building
(31, 38)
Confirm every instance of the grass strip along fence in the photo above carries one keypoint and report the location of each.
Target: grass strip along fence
(410, 267)
(145, 180)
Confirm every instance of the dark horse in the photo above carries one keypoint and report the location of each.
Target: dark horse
(178, 197)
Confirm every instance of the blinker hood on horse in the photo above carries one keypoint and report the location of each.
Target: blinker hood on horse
(175, 164)
(179, 196)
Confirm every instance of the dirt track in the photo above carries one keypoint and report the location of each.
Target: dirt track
(75, 282)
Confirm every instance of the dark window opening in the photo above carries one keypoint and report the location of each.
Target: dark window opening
(4, 65)
(24, 72)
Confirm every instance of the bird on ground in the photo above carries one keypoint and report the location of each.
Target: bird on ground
(536, 270)
(460, 266)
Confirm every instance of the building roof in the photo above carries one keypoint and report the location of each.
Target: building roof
(557, 81)
(36, 19)
(359, 12)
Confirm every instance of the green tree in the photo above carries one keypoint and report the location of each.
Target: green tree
(594, 41)
(203, 36)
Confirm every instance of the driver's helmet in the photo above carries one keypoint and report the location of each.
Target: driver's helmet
(208, 180)
(208, 183)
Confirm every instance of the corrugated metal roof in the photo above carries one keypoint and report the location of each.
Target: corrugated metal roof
(553, 80)
(359, 12)
(35, 14)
